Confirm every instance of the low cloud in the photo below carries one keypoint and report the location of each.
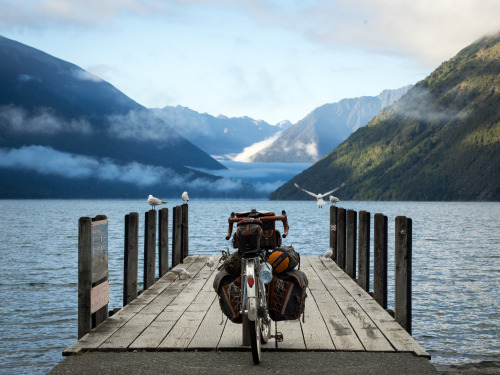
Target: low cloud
(142, 126)
(27, 78)
(83, 75)
(264, 177)
(48, 161)
(248, 152)
(42, 121)
(421, 105)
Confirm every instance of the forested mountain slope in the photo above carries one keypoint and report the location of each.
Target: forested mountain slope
(441, 141)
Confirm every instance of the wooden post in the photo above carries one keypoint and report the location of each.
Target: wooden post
(403, 271)
(163, 242)
(380, 260)
(333, 231)
(341, 237)
(185, 232)
(93, 284)
(131, 258)
(177, 236)
(351, 228)
(84, 275)
(364, 250)
(149, 248)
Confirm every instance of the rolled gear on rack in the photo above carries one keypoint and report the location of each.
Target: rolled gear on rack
(284, 259)
(232, 264)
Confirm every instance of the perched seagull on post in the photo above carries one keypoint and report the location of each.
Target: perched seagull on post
(180, 272)
(185, 197)
(154, 201)
(319, 197)
(333, 200)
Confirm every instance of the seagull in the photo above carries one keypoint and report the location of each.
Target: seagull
(333, 200)
(180, 272)
(154, 201)
(319, 197)
(210, 262)
(328, 254)
(185, 197)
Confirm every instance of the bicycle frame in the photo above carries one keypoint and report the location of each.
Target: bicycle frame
(251, 277)
(253, 290)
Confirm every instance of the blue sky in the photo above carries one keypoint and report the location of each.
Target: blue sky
(269, 60)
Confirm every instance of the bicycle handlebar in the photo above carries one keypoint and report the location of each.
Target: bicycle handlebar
(282, 218)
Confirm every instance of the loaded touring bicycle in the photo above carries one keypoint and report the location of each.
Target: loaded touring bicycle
(258, 282)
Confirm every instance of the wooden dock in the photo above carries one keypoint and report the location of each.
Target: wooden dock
(176, 314)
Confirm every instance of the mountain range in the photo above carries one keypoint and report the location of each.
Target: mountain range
(440, 141)
(325, 128)
(65, 132)
(222, 137)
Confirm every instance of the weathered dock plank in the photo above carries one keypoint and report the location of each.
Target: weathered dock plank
(176, 314)
(343, 335)
(210, 330)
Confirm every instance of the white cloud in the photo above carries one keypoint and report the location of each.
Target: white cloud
(43, 121)
(85, 76)
(48, 161)
(434, 31)
(80, 13)
(247, 153)
(140, 125)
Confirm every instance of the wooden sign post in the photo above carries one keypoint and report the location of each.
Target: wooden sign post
(93, 284)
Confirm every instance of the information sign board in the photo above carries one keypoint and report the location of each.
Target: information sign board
(99, 250)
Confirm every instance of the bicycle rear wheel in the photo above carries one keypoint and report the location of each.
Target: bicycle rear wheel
(255, 340)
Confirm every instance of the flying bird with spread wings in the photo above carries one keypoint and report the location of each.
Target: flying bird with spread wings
(319, 197)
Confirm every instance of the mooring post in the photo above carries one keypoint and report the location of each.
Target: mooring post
(403, 271)
(177, 236)
(185, 232)
(163, 242)
(341, 237)
(350, 258)
(380, 259)
(84, 275)
(149, 248)
(364, 250)
(333, 231)
(131, 258)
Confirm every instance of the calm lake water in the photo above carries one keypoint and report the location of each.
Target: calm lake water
(456, 270)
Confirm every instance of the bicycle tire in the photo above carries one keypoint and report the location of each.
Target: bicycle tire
(255, 340)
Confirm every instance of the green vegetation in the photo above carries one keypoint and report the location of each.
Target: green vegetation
(441, 141)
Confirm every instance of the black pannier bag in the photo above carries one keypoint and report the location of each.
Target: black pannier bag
(271, 238)
(287, 295)
(228, 288)
(248, 236)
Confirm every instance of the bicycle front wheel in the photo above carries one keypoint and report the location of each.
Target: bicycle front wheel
(255, 340)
